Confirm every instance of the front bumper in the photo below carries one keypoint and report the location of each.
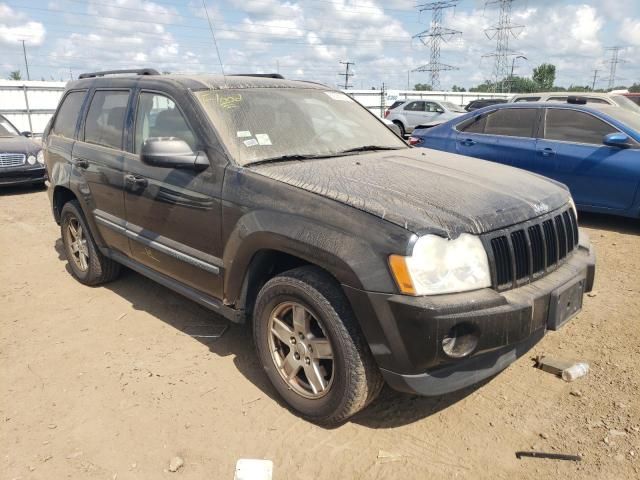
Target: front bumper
(407, 338)
(22, 175)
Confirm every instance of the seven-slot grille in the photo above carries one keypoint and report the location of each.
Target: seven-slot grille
(12, 159)
(527, 251)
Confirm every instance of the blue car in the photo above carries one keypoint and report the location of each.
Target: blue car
(594, 150)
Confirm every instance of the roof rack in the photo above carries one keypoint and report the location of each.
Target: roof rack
(260, 75)
(138, 71)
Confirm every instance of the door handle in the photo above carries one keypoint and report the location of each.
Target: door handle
(136, 181)
(467, 142)
(81, 163)
(548, 152)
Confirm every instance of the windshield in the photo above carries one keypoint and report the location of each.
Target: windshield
(260, 124)
(630, 119)
(7, 129)
(452, 108)
(625, 103)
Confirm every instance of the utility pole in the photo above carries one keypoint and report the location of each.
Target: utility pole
(502, 32)
(595, 77)
(513, 64)
(434, 38)
(346, 74)
(26, 63)
(613, 65)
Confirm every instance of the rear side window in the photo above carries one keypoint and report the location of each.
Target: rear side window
(415, 107)
(511, 122)
(105, 120)
(67, 117)
(576, 127)
(395, 104)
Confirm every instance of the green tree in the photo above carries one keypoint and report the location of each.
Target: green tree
(545, 75)
(15, 75)
(486, 86)
(635, 88)
(423, 87)
(521, 84)
(456, 88)
(579, 88)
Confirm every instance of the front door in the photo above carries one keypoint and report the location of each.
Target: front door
(173, 215)
(571, 151)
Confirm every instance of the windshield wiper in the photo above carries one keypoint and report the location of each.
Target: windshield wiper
(370, 148)
(287, 158)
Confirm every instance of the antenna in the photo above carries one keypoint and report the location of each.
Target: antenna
(346, 74)
(434, 38)
(213, 34)
(613, 65)
(501, 32)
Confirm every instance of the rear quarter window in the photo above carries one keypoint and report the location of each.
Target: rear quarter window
(67, 116)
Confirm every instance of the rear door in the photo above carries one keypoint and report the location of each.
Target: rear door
(570, 150)
(414, 113)
(98, 158)
(173, 215)
(504, 136)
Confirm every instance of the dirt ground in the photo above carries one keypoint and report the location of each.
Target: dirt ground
(112, 382)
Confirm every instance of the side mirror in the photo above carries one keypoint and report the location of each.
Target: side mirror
(171, 152)
(616, 139)
(26, 134)
(439, 110)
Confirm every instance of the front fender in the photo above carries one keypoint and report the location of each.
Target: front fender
(348, 257)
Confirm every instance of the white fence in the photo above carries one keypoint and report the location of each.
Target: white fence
(377, 100)
(29, 105)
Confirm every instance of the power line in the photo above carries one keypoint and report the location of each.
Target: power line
(346, 74)
(502, 32)
(215, 42)
(434, 38)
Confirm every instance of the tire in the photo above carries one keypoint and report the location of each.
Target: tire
(351, 375)
(403, 132)
(96, 268)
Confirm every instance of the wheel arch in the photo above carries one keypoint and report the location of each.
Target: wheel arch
(61, 195)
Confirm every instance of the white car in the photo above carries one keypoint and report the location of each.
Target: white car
(590, 97)
(427, 113)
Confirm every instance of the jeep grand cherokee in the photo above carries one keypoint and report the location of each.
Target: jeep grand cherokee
(287, 205)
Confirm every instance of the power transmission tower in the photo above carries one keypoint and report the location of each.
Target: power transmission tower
(346, 74)
(613, 65)
(502, 32)
(434, 38)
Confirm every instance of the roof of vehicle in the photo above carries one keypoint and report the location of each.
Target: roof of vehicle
(564, 94)
(198, 82)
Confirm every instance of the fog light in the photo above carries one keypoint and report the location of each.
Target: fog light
(461, 340)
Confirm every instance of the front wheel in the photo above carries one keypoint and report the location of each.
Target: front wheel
(311, 347)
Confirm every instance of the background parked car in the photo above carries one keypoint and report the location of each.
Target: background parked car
(634, 97)
(590, 98)
(412, 113)
(594, 150)
(483, 102)
(21, 159)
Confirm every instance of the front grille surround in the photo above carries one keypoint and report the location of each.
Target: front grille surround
(527, 251)
(12, 159)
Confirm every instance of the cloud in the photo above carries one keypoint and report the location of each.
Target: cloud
(15, 27)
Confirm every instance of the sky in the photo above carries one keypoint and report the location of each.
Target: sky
(309, 38)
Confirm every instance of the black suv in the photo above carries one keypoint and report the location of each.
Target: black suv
(356, 258)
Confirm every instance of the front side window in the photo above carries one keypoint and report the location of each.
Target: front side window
(7, 129)
(257, 124)
(573, 126)
(105, 119)
(511, 122)
(67, 117)
(158, 116)
(432, 107)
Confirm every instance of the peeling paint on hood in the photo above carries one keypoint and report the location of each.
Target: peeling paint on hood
(426, 191)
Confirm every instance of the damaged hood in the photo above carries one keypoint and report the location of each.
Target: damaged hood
(426, 191)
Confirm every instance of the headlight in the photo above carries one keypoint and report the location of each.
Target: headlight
(31, 160)
(40, 157)
(438, 265)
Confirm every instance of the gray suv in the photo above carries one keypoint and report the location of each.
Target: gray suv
(428, 113)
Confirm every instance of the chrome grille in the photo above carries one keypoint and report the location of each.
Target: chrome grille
(12, 159)
(525, 252)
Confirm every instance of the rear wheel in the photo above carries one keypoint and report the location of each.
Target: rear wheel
(87, 264)
(311, 347)
(403, 132)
